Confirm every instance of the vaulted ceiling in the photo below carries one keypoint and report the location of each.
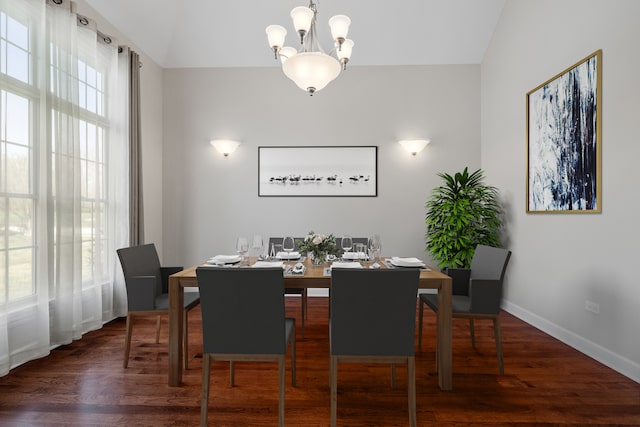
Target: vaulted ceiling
(214, 33)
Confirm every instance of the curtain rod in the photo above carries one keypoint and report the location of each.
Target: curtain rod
(87, 22)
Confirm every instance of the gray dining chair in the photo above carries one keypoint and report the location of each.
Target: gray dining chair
(243, 319)
(294, 291)
(373, 318)
(147, 291)
(476, 293)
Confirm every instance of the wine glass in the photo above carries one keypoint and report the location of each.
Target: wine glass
(288, 245)
(257, 243)
(274, 250)
(347, 244)
(242, 246)
(374, 246)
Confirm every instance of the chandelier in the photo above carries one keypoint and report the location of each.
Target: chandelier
(310, 68)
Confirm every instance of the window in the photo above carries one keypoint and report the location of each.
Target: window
(87, 152)
(18, 101)
(75, 85)
(63, 206)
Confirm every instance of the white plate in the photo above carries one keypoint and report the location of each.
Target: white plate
(288, 255)
(343, 264)
(407, 262)
(354, 255)
(224, 259)
(268, 264)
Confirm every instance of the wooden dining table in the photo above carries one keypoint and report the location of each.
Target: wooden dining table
(313, 277)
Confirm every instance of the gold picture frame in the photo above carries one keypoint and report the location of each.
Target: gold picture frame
(564, 141)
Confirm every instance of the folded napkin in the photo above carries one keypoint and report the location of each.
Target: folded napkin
(288, 255)
(406, 262)
(224, 259)
(354, 255)
(345, 264)
(268, 264)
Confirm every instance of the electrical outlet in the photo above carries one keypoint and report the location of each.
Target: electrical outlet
(592, 307)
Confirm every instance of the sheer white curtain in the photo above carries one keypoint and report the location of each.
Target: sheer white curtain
(79, 160)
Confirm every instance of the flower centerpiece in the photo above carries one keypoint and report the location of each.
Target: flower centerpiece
(318, 246)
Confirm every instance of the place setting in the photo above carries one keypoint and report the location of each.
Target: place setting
(223, 261)
(401, 262)
(238, 259)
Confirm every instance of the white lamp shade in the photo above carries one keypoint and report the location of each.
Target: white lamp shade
(276, 35)
(302, 17)
(414, 146)
(339, 26)
(311, 71)
(345, 51)
(225, 146)
(286, 53)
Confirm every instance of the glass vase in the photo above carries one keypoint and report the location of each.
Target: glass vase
(318, 257)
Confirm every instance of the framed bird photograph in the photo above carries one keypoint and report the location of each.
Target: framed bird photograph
(318, 171)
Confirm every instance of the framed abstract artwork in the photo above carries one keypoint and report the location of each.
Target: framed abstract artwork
(318, 171)
(564, 138)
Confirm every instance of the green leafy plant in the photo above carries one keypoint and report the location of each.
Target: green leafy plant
(461, 214)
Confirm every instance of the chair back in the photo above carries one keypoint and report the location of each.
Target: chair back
(373, 312)
(138, 261)
(489, 263)
(488, 267)
(278, 241)
(242, 310)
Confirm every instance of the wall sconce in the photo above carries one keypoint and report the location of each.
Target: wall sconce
(225, 146)
(414, 146)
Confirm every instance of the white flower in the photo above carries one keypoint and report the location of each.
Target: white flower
(317, 239)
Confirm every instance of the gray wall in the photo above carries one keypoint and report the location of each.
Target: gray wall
(209, 200)
(560, 261)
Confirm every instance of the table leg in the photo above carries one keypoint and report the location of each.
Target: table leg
(176, 311)
(444, 336)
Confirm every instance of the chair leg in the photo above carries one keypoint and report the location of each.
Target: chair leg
(411, 380)
(204, 402)
(281, 361)
(472, 329)
(420, 315)
(393, 375)
(293, 356)
(127, 342)
(185, 336)
(333, 380)
(232, 373)
(437, 342)
(304, 301)
(158, 329)
(303, 304)
(498, 334)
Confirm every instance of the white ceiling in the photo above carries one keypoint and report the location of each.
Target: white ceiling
(215, 33)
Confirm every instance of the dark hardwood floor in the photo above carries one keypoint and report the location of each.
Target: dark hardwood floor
(545, 383)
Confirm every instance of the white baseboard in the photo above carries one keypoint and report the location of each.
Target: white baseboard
(608, 358)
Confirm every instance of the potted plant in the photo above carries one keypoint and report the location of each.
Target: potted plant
(461, 214)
